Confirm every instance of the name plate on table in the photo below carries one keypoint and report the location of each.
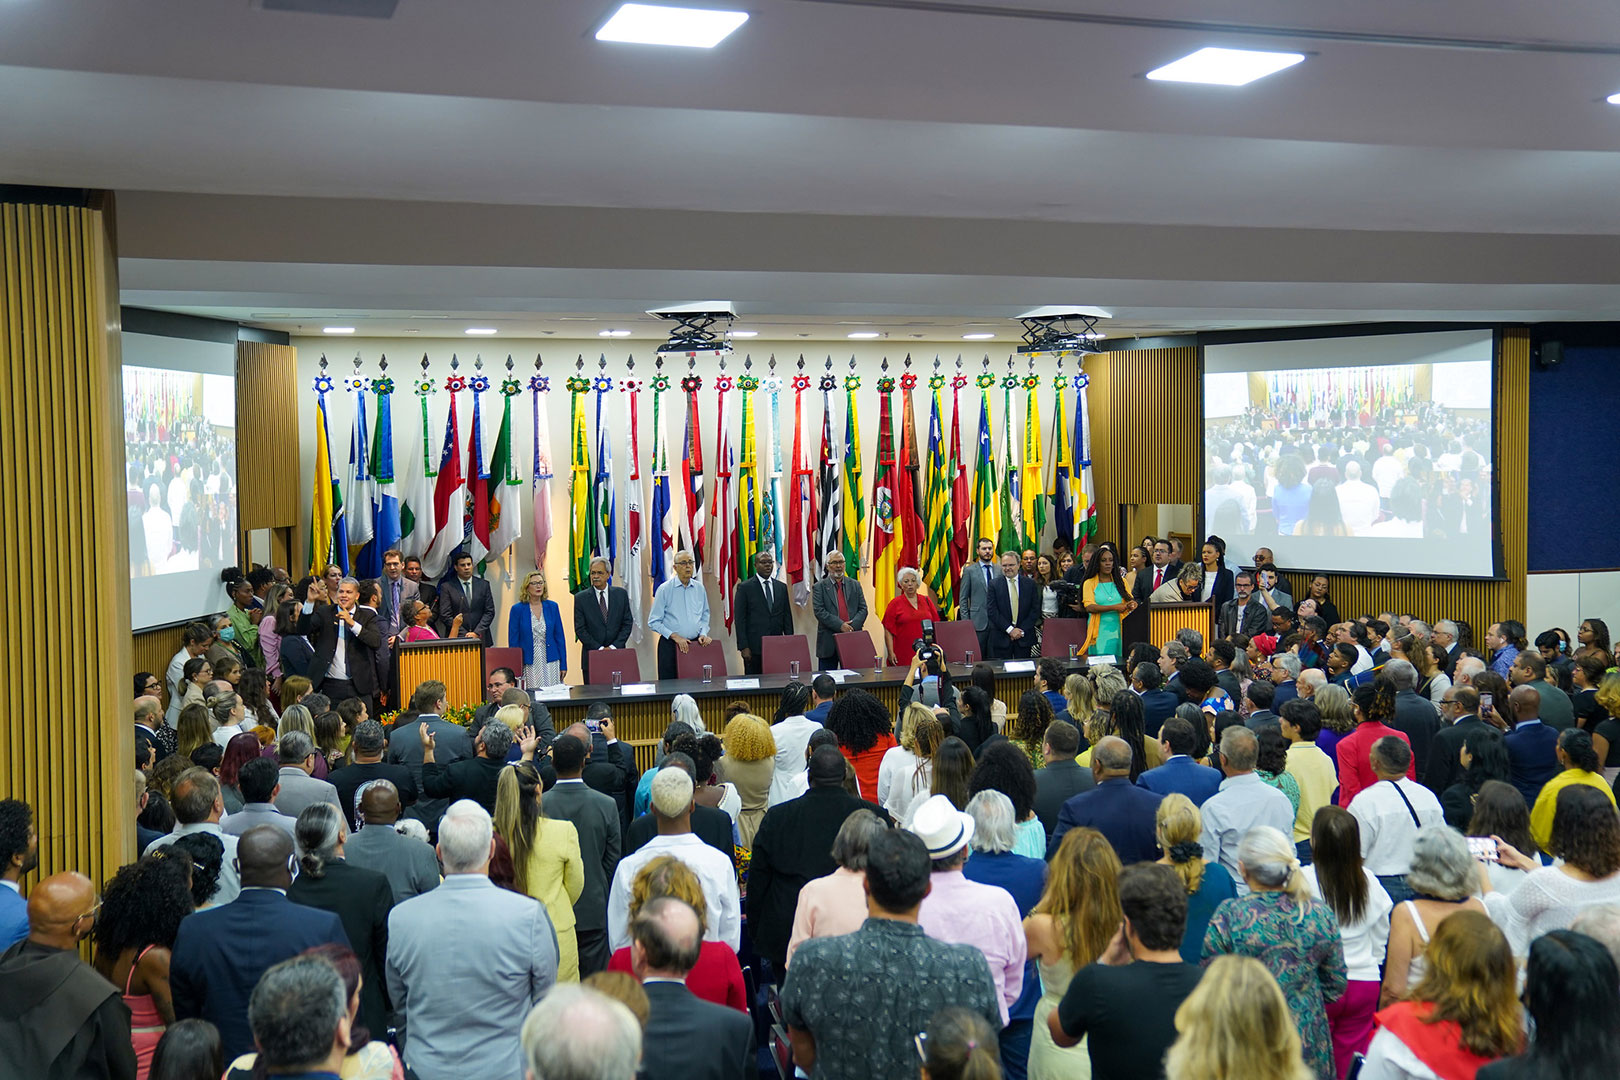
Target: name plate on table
(1012, 667)
(742, 684)
(550, 693)
(1093, 661)
(638, 689)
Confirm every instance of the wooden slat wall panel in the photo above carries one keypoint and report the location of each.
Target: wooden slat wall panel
(63, 520)
(1151, 452)
(153, 649)
(266, 435)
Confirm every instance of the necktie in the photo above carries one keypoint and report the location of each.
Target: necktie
(1158, 577)
(1012, 594)
(394, 610)
(767, 584)
(988, 577)
(601, 600)
(843, 602)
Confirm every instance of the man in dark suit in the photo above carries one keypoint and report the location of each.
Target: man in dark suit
(611, 766)
(1245, 613)
(1164, 569)
(468, 596)
(345, 638)
(361, 899)
(1062, 778)
(762, 608)
(709, 824)
(794, 846)
(1256, 707)
(1015, 605)
(220, 953)
(840, 608)
(1117, 808)
(1531, 745)
(1459, 710)
(1180, 774)
(369, 745)
(1158, 704)
(397, 591)
(686, 1037)
(602, 618)
(1414, 716)
(450, 743)
(596, 819)
(425, 592)
(473, 778)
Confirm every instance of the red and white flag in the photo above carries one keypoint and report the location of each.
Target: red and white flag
(802, 565)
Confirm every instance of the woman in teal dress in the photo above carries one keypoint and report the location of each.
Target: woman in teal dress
(1295, 935)
(1103, 593)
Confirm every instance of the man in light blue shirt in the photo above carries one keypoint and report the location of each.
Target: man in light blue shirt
(19, 848)
(1243, 802)
(680, 614)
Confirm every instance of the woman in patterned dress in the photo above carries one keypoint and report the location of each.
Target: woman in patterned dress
(1293, 934)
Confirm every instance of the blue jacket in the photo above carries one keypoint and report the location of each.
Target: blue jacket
(520, 633)
(1532, 757)
(220, 953)
(13, 917)
(1182, 775)
(1119, 810)
(1157, 707)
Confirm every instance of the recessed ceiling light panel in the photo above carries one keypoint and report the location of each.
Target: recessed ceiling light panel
(1613, 99)
(1225, 67)
(977, 337)
(864, 335)
(660, 24)
(613, 333)
(337, 329)
(745, 333)
(480, 331)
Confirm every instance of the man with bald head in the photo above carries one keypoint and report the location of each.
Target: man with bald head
(409, 865)
(1116, 807)
(58, 1017)
(686, 1038)
(220, 954)
(148, 716)
(1532, 746)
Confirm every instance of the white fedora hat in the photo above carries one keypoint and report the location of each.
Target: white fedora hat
(944, 828)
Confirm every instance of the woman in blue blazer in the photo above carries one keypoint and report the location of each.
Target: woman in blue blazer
(535, 625)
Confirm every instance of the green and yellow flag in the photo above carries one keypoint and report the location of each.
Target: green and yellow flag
(854, 512)
(581, 498)
(1032, 484)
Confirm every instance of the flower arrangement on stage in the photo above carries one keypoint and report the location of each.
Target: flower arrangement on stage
(460, 715)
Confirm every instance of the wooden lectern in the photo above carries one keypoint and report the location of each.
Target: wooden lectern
(456, 662)
(1166, 619)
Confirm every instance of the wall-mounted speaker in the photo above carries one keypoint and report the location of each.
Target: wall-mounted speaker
(1550, 355)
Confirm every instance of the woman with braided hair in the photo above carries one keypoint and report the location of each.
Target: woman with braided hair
(1179, 825)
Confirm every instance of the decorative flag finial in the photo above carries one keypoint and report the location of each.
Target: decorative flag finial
(630, 363)
(478, 362)
(455, 362)
(382, 363)
(579, 362)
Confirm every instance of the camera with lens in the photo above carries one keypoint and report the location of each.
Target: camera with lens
(1068, 594)
(929, 655)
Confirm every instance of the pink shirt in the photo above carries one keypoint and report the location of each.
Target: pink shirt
(965, 912)
(829, 906)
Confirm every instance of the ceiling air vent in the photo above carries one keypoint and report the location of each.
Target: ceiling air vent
(366, 9)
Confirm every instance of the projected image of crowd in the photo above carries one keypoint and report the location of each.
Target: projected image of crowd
(1405, 468)
(182, 498)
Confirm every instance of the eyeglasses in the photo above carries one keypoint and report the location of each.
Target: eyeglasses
(91, 914)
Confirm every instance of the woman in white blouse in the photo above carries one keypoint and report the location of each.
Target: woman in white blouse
(906, 771)
(1586, 836)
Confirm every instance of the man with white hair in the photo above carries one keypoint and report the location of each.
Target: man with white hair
(577, 1033)
(464, 999)
(1415, 716)
(1285, 670)
(1243, 802)
(1358, 500)
(1445, 635)
(1309, 682)
(672, 791)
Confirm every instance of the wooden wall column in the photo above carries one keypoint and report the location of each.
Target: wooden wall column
(64, 543)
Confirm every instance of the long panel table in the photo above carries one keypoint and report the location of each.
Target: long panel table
(641, 711)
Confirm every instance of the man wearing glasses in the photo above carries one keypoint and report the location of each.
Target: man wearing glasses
(679, 615)
(1459, 715)
(57, 1015)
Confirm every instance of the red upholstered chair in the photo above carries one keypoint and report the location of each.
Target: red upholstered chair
(958, 638)
(600, 664)
(506, 658)
(855, 650)
(689, 664)
(778, 652)
(1058, 634)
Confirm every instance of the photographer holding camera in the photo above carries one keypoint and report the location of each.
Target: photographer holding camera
(928, 680)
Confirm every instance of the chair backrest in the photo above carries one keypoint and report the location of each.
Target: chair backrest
(689, 664)
(1058, 634)
(777, 652)
(781, 1052)
(506, 658)
(958, 638)
(600, 664)
(855, 650)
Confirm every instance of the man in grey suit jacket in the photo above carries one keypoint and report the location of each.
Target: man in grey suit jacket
(411, 866)
(464, 1000)
(397, 591)
(451, 743)
(977, 577)
(831, 618)
(296, 752)
(595, 817)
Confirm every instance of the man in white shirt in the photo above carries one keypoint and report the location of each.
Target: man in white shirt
(1358, 501)
(672, 806)
(1385, 471)
(198, 806)
(1390, 812)
(1243, 802)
